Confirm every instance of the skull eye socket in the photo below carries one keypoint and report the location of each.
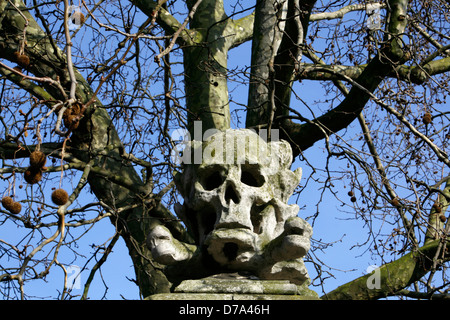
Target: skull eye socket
(212, 177)
(251, 175)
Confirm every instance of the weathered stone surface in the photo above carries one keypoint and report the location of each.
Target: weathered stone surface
(227, 296)
(232, 287)
(235, 205)
(237, 286)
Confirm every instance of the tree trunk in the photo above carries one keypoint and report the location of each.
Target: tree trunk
(205, 65)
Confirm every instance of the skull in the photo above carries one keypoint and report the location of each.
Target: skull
(236, 201)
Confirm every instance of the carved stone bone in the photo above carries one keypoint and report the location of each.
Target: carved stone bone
(235, 205)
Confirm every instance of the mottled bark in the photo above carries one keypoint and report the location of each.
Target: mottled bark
(392, 277)
(414, 74)
(206, 43)
(205, 65)
(436, 218)
(279, 32)
(264, 33)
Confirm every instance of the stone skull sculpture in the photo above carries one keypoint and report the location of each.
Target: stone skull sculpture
(235, 204)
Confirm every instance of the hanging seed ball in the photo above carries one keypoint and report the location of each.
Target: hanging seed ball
(7, 203)
(426, 118)
(350, 193)
(353, 199)
(70, 116)
(32, 175)
(37, 159)
(71, 121)
(23, 60)
(442, 218)
(16, 208)
(78, 18)
(437, 207)
(60, 197)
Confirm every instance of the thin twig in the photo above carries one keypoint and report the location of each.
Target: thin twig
(73, 79)
(177, 33)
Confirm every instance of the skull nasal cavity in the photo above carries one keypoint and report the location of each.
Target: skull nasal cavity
(230, 194)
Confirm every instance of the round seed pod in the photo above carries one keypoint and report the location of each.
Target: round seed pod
(427, 118)
(16, 208)
(353, 199)
(78, 18)
(442, 218)
(71, 121)
(7, 203)
(60, 197)
(437, 207)
(23, 60)
(37, 159)
(70, 116)
(32, 175)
